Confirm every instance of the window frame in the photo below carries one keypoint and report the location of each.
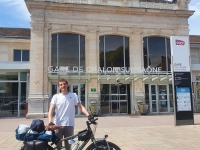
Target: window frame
(21, 54)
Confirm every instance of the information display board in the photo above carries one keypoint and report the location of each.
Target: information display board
(183, 99)
(183, 106)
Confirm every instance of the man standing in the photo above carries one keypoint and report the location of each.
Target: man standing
(64, 105)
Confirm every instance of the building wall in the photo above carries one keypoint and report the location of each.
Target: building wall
(7, 47)
(93, 21)
(195, 65)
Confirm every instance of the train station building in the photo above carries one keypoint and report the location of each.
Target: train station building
(112, 53)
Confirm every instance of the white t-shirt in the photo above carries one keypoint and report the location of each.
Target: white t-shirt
(65, 108)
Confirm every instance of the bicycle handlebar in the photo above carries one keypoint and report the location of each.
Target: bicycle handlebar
(91, 122)
(54, 127)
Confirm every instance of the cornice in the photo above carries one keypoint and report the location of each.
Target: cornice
(52, 6)
(14, 40)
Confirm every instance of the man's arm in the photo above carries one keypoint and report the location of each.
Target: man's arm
(50, 115)
(83, 109)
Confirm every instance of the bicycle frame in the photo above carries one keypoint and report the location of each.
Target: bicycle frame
(92, 138)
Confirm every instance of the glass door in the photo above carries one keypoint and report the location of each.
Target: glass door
(123, 99)
(79, 89)
(105, 99)
(114, 99)
(162, 98)
(153, 99)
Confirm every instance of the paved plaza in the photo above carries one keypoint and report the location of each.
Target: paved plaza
(150, 132)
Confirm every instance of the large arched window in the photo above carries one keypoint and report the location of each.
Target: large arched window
(157, 53)
(113, 52)
(68, 50)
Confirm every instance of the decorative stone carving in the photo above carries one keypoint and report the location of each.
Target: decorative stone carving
(136, 30)
(92, 28)
(37, 26)
(114, 30)
(47, 26)
(157, 31)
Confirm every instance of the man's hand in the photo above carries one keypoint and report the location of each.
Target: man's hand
(91, 118)
(51, 124)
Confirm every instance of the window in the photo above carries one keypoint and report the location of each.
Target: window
(113, 52)
(21, 55)
(68, 50)
(157, 53)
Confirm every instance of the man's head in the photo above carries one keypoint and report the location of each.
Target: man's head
(63, 85)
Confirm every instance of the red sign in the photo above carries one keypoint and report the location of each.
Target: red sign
(180, 42)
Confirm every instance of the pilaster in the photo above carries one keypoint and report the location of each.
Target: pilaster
(136, 49)
(92, 45)
(37, 98)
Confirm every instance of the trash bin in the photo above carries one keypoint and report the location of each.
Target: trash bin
(94, 108)
(143, 108)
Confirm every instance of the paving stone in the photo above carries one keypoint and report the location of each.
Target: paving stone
(151, 132)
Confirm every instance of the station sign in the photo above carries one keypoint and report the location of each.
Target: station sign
(183, 104)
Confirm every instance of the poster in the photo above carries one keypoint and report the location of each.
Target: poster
(183, 99)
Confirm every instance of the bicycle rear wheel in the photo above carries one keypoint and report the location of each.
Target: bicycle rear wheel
(102, 145)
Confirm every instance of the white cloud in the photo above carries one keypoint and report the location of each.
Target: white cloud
(16, 9)
(196, 8)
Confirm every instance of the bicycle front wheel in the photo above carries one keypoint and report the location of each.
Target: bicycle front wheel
(102, 145)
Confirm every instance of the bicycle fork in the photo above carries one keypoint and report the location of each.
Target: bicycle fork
(103, 139)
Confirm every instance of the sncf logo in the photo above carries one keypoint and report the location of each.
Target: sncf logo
(179, 42)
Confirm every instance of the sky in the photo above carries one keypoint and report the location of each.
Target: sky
(14, 13)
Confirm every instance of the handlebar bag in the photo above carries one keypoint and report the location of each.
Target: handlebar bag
(21, 131)
(84, 135)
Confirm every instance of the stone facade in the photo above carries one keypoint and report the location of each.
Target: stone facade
(8, 46)
(130, 18)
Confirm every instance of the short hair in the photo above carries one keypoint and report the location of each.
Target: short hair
(62, 80)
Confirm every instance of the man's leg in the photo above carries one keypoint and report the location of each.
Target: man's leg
(59, 133)
(69, 131)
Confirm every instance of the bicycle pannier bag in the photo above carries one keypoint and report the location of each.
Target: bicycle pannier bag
(37, 125)
(31, 135)
(21, 132)
(84, 135)
(47, 136)
(36, 145)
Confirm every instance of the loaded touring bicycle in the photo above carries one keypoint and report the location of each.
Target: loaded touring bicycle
(46, 139)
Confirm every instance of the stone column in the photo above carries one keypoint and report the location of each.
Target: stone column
(47, 50)
(36, 94)
(92, 58)
(136, 52)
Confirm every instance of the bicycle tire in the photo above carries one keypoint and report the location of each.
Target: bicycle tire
(102, 145)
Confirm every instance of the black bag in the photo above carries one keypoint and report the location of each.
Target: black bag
(84, 135)
(36, 145)
(37, 125)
